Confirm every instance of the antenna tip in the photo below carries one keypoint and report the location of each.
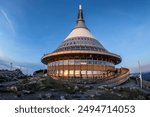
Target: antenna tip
(80, 7)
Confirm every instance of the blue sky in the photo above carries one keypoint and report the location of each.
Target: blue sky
(30, 28)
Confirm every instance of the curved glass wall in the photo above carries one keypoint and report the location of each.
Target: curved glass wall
(78, 73)
(80, 62)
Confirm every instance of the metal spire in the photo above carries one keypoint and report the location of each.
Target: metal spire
(80, 14)
(80, 20)
(80, 6)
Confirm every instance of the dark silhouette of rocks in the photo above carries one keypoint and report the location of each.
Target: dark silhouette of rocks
(13, 75)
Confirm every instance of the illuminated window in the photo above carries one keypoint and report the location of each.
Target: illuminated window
(77, 72)
(94, 72)
(98, 72)
(61, 72)
(89, 72)
(83, 72)
(66, 73)
(71, 72)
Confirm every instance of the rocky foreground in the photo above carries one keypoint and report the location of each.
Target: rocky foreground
(7, 75)
(43, 88)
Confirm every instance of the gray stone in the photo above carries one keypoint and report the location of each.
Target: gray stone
(101, 87)
(62, 97)
(88, 87)
(119, 95)
(92, 95)
(114, 88)
(76, 96)
(76, 88)
(97, 93)
(32, 82)
(13, 88)
(26, 92)
(48, 95)
(53, 90)
(68, 88)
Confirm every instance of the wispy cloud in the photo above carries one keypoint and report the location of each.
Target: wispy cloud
(8, 20)
(7, 34)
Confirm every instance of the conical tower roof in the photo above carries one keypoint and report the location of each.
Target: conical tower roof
(81, 42)
(80, 29)
(80, 37)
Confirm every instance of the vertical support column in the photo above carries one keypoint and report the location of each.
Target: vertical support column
(58, 69)
(97, 69)
(74, 68)
(63, 70)
(100, 65)
(86, 67)
(55, 68)
(54, 73)
(80, 68)
(68, 70)
(92, 68)
(103, 68)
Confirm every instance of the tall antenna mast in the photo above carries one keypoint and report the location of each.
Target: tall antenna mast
(11, 65)
(140, 74)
